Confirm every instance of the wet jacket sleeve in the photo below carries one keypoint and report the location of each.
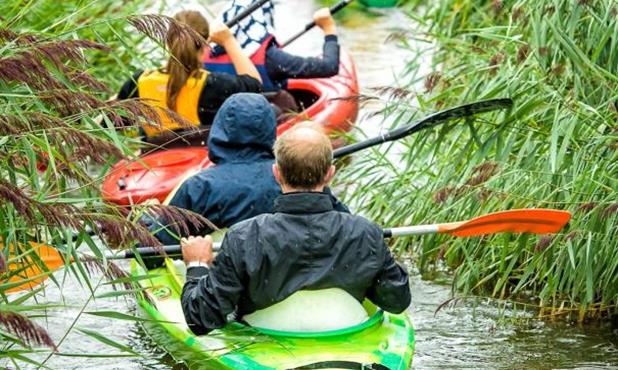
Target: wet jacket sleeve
(129, 88)
(210, 295)
(219, 87)
(281, 65)
(192, 195)
(391, 289)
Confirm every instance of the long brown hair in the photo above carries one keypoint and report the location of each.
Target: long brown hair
(183, 62)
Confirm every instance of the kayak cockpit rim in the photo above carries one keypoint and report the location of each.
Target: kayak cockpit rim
(376, 315)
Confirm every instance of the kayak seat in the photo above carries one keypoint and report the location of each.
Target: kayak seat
(284, 105)
(306, 311)
(310, 311)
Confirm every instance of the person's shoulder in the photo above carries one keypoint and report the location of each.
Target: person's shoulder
(233, 83)
(221, 77)
(246, 232)
(205, 176)
(249, 225)
(218, 75)
(215, 80)
(360, 223)
(356, 218)
(203, 183)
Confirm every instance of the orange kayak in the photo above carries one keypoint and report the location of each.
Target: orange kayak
(155, 175)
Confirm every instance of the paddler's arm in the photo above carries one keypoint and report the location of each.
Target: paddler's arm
(391, 287)
(210, 293)
(222, 35)
(282, 65)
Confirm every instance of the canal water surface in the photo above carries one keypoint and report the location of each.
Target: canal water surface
(474, 334)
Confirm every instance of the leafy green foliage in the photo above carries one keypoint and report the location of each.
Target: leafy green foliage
(557, 148)
(59, 134)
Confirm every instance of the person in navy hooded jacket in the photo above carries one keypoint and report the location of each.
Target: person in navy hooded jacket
(255, 35)
(241, 184)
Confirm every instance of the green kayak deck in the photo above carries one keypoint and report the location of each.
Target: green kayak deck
(384, 341)
(379, 3)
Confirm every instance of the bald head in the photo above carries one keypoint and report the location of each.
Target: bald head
(304, 158)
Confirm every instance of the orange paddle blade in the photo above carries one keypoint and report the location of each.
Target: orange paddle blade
(29, 271)
(536, 221)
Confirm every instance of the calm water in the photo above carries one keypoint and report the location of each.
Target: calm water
(475, 334)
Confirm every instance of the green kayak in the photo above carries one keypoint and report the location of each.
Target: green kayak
(384, 341)
(379, 3)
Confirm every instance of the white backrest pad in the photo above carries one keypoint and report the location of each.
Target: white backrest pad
(311, 311)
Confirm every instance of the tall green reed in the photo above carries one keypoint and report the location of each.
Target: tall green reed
(59, 63)
(557, 148)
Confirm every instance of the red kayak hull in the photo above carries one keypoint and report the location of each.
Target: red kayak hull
(155, 175)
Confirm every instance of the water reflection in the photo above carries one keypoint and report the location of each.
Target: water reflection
(483, 334)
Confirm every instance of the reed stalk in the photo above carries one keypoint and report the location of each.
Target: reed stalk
(59, 133)
(557, 148)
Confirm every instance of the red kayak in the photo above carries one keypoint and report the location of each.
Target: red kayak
(155, 175)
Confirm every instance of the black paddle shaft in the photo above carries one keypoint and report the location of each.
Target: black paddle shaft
(146, 252)
(333, 10)
(444, 116)
(175, 250)
(245, 13)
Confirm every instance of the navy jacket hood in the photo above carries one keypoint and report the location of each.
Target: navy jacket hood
(243, 130)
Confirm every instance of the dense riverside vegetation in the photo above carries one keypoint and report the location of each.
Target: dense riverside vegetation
(59, 63)
(557, 148)
(61, 60)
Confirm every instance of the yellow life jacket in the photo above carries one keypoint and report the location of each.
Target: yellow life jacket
(152, 87)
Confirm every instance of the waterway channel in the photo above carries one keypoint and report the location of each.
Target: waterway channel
(478, 333)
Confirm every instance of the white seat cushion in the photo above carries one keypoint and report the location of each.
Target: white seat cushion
(311, 311)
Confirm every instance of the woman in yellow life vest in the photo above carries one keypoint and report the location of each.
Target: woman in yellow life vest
(183, 86)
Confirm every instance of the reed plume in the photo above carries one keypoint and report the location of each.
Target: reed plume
(587, 207)
(20, 39)
(30, 333)
(157, 27)
(181, 220)
(543, 243)
(120, 233)
(610, 210)
(2, 263)
(398, 93)
(84, 80)
(110, 271)
(432, 80)
(28, 65)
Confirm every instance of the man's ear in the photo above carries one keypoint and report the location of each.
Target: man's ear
(330, 174)
(276, 174)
